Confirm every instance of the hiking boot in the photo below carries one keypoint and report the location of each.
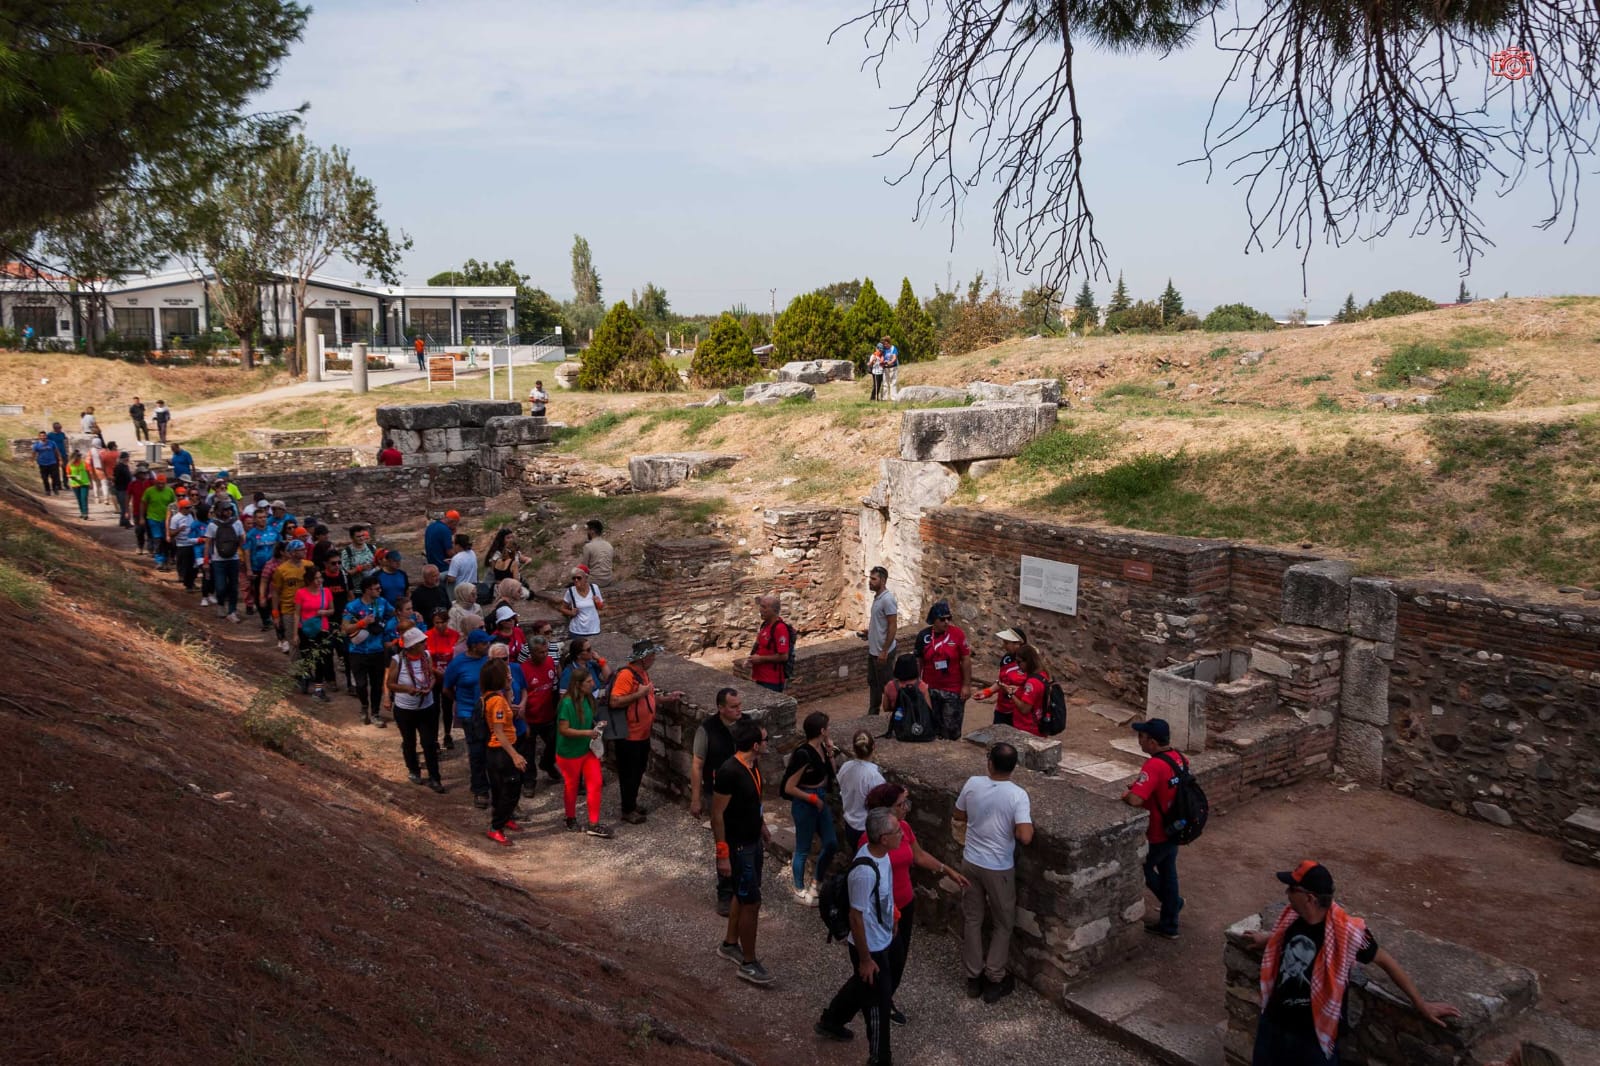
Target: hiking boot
(828, 1029)
(437, 786)
(498, 837)
(480, 800)
(755, 973)
(633, 818)
(732, 952)
(996, 992)
(416, 779)
(599, 829)
(975, 987)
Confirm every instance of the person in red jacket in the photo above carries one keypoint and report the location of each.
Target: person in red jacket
(946, 660)
(389, 455)
(542, 675)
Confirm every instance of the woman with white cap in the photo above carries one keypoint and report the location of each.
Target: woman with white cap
(410, 687)
(582, 604)
(1010, 676)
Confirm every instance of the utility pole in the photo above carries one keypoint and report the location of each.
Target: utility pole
(772, 311)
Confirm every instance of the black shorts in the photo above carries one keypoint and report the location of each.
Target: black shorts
(746, 862)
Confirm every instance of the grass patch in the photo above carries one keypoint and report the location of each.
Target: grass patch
(1128, 389)
(592, 430)
(1475, 392)
(24, 590)
(1407, 361)
(1065, 448)
(1312, 379)
(695, 420)
(1219, 353)
(1327, 404)
(1140, 478)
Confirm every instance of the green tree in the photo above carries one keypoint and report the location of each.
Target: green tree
(1119, 299)
(613, 341)
(979, 321)
(1462, 295)
(327, 210)
(724, 358)
(1085, 315)
(1142, 317)
(1171, 303)
(755, 330)
(811, 327)
(913, 327)
(229, 238)
(642, 369)
(100, 248)
(842, 293)
(940, 307)
(869, 320)
(1398, 302)
(1040, 310)
(1234, 318)
(585, 278)
(1349, 312)
(652, 305)
(146, 95)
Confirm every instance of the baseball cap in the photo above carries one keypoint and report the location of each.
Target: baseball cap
(939, 610)
(297, 545)
(221, 474)
(580, 569)
(478, 636)
(1311, 876)
(1010, 635)
(414, 637)
(452, 514)
(300, 531)
(185, 503)
(280, 503)
(644, 649)
(1155, 728)
(391, 556)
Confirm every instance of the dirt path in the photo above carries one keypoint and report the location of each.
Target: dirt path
(650, 890)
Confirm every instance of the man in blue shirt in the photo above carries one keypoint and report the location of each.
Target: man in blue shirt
(366, 619)
(438, 538)
(182, 462)
(259, 540)
(58, 437)
(44, 453)
(460, 683)
(391, 578)
(891, 364)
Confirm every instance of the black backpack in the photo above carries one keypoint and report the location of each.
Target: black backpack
(833, 899)
(1053, 712)
(1185, 819)
(226, 543)
(912, 719)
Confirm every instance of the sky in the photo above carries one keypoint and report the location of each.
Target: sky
(725, 149)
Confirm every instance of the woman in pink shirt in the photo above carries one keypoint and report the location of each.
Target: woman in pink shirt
(313, 605)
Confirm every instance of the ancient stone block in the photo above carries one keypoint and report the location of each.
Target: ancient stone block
(1580, 837)
(1361, 751)
(478, 412)
(652, 473)
(287, 438)
(818, 371)
(1364, 684)
(1178, 701)
(1373, 608)
(435, 440)
(767, 393)
(959, 434)
(929, 394)
(1491, 812)
(406, 440)
(1317, 594)
(908, 488)
(566, 375)
(1040, 754)
(419, 416)
(1031, 391)
(505, 430)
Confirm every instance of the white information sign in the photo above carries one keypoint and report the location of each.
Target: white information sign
(1049, 584)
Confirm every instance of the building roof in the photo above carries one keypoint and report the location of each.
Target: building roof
(16, 277)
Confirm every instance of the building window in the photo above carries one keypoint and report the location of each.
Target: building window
(179, 324)
(134, 323)
(321, 325)
(431, 322)
(42, 319)
(480, 326)
(355, 324)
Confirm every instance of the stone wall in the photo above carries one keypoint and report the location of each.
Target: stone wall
(809, 548)
(825, 669)
(492, 434)
(1261, 755)
(1384, 1029)
(288, 460)
(376, 494)
(287, 438)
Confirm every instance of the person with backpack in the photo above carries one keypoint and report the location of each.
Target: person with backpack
(906, 701)
(1154, 790)
(633, 701)
(1030, 696)
(772, 660)
(992, 817)
(713, 746)
(873, 918)
(366, 620)
(946, 660)
(740, 837)
(1010, 675)
(460, 684)
(808, 780)
(224, 543)
(582, 604)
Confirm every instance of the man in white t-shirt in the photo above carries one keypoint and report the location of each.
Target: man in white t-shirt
(992, 817)
(463, 569)
(872, 922)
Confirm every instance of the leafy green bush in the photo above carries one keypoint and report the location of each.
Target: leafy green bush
(1183, 323)
(1397, 302)
(613, 340)
(811, 327)
(642, 368)
(1237, 318)
(1407, 361)
(724, 358)
(1064, 448)
(1142, 317)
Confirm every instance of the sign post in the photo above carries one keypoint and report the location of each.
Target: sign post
(441, 368)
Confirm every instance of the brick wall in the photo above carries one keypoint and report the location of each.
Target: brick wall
(824, 669)
(1255, 587)
(1263, 754)
(289, 460)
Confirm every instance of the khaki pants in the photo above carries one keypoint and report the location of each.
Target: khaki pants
(991, 892)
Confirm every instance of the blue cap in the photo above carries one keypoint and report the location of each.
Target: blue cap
(297, 545)
(478, 636)
(1155, 728)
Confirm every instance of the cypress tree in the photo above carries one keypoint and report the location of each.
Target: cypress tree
(913, 327)
(811, 327)
(868, 321)
(1119, 298)
(613, 340)
(1085, 315)
(724, 358)
(1349, 312)
(1171, 304)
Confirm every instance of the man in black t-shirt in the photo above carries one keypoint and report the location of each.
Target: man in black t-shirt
(741, 837)
(713, 746)
(1305, 973)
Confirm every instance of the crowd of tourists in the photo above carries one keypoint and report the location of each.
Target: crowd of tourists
(450, 655)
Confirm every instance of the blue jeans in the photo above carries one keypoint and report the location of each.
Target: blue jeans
(1161, 878)
(810, 820)
(477, 756)
(225, 584)
(158, 534)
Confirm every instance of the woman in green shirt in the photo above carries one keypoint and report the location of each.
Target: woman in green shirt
(576, 730)
(78, 478)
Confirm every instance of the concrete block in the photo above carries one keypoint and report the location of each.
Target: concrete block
(960, 434)
(1373, 608)
(818, 371)
(419, 416)
(1318, 595)
(653, 473)
(1031, 391)
(1361, 751)
(478, 412)
(929, 394)
(504, 430)
(1364, 685)
(767, 393)
(1179, 701)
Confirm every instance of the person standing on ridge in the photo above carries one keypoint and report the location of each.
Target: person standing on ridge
(141, 428)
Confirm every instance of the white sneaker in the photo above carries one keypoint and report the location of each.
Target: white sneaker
(283, 646)
(206, 601)
(806, 897)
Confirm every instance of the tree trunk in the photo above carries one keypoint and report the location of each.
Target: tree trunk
(247, 351)
(297, 354)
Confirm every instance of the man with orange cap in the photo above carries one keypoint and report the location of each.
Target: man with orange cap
(438, 538)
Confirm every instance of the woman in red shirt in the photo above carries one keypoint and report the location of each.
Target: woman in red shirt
(901, 860)
(442, 641)
(1028, 694)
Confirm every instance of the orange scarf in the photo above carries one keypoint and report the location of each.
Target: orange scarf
(1342, 938)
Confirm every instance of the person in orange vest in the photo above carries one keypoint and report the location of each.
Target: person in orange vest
(419, 344)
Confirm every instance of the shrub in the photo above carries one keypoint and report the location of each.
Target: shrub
(1474, 392)
(1407, 361)
(1183, 323)
(612, 342)
(1064, 448)
(1142, 317)
(868, 321)
(1139, 477)
(1397, 302)
(642, 368)
(724, 358)
(811, 327)
(975, 324)
(1237, 318)
(913, 327)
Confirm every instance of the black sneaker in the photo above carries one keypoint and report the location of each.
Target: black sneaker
(599, 829)
(732, 952)
(840, 1033)
(897, 1015)
(572, 825)
(1156, 930)
(449, 744)
(755, 973)
(975, 987)
(437, 786)
(416, 779)
(996, 992)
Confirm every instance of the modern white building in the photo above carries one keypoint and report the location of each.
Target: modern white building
(164, 309)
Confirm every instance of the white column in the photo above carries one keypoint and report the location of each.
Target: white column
(308, 329)
(358, 367)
